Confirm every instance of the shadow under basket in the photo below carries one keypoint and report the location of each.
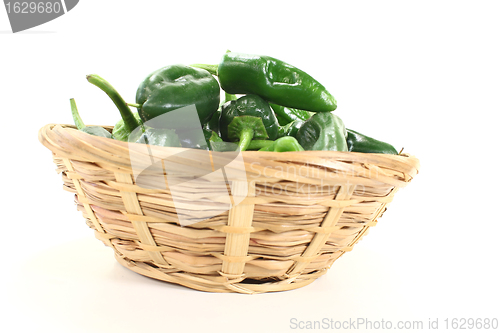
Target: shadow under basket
(288, 215)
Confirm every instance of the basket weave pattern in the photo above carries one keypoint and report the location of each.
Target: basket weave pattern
(273, 240)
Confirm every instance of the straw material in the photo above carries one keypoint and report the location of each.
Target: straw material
(296, 212)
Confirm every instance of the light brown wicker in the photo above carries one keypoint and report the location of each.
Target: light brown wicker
(271, 241)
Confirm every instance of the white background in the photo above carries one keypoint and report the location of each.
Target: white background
(420, 74)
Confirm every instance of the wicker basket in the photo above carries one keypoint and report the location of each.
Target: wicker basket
(271, 241)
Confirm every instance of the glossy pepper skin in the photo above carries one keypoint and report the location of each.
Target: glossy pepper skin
(272, 79)
(323, 131)
(360, 143)
(176, 86)
(292, 128)
(92, 130)
(286, 143)
(249, 117)
(159, 137)
(213, 124)
(287, 115)
(193, 138)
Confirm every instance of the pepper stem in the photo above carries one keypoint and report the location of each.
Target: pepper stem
(129, 120)
(134, 105)
(76, 116)
(246, 136)
(229, 97)
(212, 69)
(258, 144)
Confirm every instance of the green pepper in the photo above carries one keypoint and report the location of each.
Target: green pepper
(287, 115)
(249, 117)
(93, 130)
(213, 124)
(176, 86)
(212, 136)
(120, 131)
(358, 142)
(292, 128)
(323, 131)
(159, 137)
(286, 143)
(193, 138)
(274, 80)
(130, 122)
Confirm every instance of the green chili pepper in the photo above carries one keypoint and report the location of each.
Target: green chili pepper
(247, 118)
(292, 128)
(129, 121)
(214, 141)
(121, 132)
(212, 136)
(213, 124)
(358, 142)
(159, 137)
(194, 138)
(93, 130)
(287, 115)
(286, 143)
(290, 119)
(323, 131)
(174, 87)
(273, 80)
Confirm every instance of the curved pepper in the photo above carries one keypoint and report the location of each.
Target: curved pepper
(174, 87)
(287, 115)
(323, 131)
(360, 143)
(92, 130)
(286, 143)
(129, 121)
(247, 118)
(292, 128)
(272, 79)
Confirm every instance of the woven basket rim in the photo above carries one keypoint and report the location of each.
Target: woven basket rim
(63, 139)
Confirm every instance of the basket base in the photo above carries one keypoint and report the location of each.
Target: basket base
(218, 284)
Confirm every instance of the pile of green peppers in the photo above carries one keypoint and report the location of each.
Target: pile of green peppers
(267, 105)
